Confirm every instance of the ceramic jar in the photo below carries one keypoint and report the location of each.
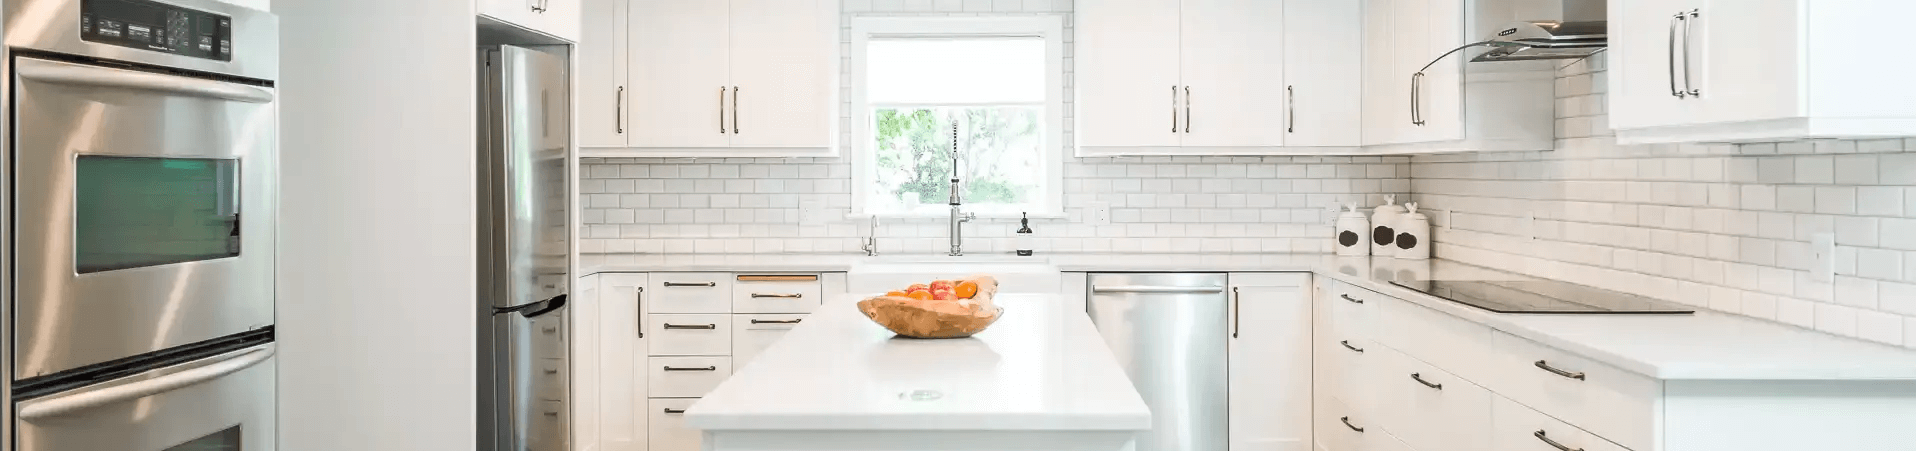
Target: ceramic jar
(1351, 231)
(1413, 234)
(1383, 227)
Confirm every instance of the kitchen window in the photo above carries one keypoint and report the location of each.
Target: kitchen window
(998, 83)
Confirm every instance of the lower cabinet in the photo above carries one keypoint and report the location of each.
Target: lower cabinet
(1270, 361)
(667, 425)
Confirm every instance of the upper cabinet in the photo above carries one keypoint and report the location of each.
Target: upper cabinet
(559, 18)
(1213, 77)
(1757, 70)
(1414, 105)
(709, 78)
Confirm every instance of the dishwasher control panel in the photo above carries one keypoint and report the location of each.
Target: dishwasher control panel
(158, 27)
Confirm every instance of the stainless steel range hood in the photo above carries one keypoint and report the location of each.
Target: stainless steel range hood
(1577, 30)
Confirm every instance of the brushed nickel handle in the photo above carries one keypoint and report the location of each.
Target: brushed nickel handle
(721, 105)
(1174, 109)
(1187, 109)
(1553, 443)
(1348, 297)
(1155, 289)
(1237, 302)
(638, 301)
(1290, 109)
(690, 284)
(1687, 25)
(703, 368)
(1578, 375)
(1347, 423)
(776, 321)
(1674, 91)
(673, 411)
(1347, 345)
(780, 296)
(1416, 99)
(1420, 380)
(536, 8)
(670, 326)
(734, 110)
(618, 112)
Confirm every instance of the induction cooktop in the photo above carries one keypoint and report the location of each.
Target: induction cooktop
(1542, 296)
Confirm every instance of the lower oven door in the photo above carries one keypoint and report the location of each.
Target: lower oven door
(220, 403)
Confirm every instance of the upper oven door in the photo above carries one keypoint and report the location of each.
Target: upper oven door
(145, 210)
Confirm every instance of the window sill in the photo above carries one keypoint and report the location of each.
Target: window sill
(982, 216)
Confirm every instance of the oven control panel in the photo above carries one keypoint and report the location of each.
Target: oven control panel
(159, 27)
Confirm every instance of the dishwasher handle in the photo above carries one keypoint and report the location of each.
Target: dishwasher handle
(1147, 289)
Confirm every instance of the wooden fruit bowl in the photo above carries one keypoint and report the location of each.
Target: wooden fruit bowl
(936, 319)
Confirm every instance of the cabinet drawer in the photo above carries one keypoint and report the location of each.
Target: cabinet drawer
(547, 427)
(665, 426)
(1518, 428)
(686, 377)
(549, 379)
(691, 292)
(1603, 399)
(1340, 427)
(1454, 344)
(1429, 408)
(751, 334)
(689, 334)
(1353, 311)
(548, 334)
(1344, 368)
(776, 293)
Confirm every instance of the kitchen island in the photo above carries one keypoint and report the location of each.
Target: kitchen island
(1041, 378)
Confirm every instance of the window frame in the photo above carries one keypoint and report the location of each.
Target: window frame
(1050, 28)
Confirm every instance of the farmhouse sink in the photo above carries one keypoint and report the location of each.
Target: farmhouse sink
(893, 272)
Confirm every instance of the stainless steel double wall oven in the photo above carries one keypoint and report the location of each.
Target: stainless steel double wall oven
(141, 183)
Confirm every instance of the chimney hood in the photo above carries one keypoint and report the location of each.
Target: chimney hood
(1545, 40)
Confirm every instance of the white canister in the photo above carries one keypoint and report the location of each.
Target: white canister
(1413, 234)
(1383, 227)
(1352, 229)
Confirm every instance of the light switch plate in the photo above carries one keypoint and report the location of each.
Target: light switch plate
(1100, 214)
(1823, 257)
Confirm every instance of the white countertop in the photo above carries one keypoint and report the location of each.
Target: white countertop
(1041, 367)
(1706, 345)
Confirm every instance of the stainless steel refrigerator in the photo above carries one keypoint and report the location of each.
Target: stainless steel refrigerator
(1168, 331)
(523, 244)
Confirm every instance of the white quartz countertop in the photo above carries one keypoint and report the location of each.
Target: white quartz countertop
(1706, 345)
(1041, 367)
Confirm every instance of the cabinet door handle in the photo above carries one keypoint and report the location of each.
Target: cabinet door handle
(638, 301)
(690, 284)
(721, 105)
(1237, 302)
(703, 368)
(734, 110)
(780, 296)
(1687, 25)
(776, 321)
(1347, 423)
(536, 8)
(670, 326)
(1553, 443)
(1674, 90)
(1420, 379)
(618, 112)
(1187, 109)
(1347, 345)
(1416, 99)
(672, 411)
(1174, 109)
(1290, 109)
(1348, 297)
(1578, 375)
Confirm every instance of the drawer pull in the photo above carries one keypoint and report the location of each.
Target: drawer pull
(1347, 345)
(552, 371)
(691, 284)
(780, 296)
(776, 321)
(777, 278)
(673, 411)
(1347, 423)
(1578, 375)
(708, 368)
(1420, 380)
(1553, 443)
(1348, 297)
(670, 326)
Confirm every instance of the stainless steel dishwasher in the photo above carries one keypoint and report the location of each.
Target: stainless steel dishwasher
(1169, 333)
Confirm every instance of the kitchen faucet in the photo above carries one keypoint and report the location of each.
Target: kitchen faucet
(958, 216)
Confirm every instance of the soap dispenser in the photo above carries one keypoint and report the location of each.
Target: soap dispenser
(1024, 235)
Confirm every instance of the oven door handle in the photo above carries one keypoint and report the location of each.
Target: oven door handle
(83, 75)
(88, 399)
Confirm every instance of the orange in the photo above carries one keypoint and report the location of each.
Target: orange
(921, 295)
(967, 289)
(897, 293)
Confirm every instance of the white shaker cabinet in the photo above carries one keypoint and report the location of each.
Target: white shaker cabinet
(1455, 105)
(1215, 77)
(557, 18)
(1757, 70)
(622, 364)
(1270, 362)
(709, 78)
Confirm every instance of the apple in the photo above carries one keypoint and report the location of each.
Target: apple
(917, 286)
(946, 295)
(941, 285)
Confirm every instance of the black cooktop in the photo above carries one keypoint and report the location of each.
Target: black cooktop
(1540, 296)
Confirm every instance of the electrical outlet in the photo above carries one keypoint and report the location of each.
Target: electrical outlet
(1823, 257)
(1100, 214)
(1529, 226)
(811, 213)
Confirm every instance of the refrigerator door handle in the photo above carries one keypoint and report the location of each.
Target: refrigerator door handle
(88, 399)
(536, 309)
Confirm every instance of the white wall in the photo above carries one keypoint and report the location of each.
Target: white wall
(376, 300)
(262, 5)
